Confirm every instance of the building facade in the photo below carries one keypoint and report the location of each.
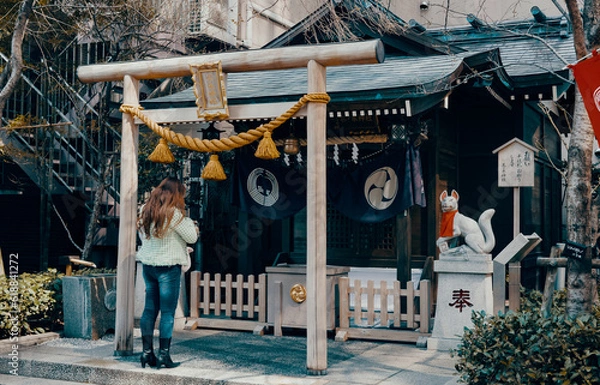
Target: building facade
(461, 88)
(456, 95)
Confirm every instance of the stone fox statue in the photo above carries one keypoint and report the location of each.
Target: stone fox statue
(477, 236)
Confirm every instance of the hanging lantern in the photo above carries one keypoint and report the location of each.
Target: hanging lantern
(291, 146)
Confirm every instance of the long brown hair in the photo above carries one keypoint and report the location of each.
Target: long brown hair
(159, 208)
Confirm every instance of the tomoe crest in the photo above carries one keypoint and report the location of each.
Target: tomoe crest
(381, 188)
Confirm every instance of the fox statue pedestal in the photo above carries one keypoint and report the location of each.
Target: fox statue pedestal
(464, 286)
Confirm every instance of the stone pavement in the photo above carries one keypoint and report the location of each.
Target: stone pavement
(226, 357)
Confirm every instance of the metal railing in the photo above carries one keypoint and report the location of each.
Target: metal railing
(62, 127)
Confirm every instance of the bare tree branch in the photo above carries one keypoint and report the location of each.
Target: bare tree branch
(15, 65)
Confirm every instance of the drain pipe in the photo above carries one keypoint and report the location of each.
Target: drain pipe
(562, 10)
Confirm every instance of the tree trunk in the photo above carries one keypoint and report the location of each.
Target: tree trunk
(579, 192)
(580, 285)
(580, 226)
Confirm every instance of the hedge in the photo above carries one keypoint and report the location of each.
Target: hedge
(30, 303)
(525, 348)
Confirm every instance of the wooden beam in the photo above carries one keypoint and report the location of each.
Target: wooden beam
(236, 112)
(224, 324)
(316, 225)
(336, 54)
(561, 262)
(333, 140)
(127, 224)
(408, 336)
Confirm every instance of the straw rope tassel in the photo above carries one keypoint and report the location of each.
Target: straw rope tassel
(214, 170)
(162, 153)
(223, 144)
(267, 148)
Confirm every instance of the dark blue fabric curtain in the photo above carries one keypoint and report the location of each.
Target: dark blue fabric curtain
(268, 188)
(379, 188)
(371, 191)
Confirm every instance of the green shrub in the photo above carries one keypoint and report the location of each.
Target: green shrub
(525, 348)
(28, 303)
(37, 307)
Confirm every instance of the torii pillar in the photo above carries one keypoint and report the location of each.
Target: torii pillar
(316, 58)
(316, 225)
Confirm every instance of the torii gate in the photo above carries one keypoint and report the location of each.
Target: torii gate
(316, 58)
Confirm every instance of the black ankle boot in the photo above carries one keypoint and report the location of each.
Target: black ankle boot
(148, 356)
(164, 357)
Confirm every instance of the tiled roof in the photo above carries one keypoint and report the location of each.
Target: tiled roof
(520, 60)
(528, 56)
(405, 75)
(526, 47)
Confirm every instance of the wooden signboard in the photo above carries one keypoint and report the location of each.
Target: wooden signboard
(516, 164)
(516, 169)
(209, 89)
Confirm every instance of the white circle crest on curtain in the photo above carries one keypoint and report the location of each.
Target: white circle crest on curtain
(263, 187)
(381, 188)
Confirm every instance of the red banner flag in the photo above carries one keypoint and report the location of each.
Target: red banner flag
(587, 76)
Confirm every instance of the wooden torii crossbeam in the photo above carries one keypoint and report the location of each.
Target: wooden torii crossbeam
(316, 58)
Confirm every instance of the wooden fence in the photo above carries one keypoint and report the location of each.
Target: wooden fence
(388, 314)
(365, 312)
(227, 304)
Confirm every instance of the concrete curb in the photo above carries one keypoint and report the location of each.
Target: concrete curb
(8, 344)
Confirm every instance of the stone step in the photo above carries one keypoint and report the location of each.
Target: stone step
(9, 379)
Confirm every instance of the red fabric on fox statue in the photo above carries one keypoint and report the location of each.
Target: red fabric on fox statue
(447, 224)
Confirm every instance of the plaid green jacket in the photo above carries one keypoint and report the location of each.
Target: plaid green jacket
(171, 248)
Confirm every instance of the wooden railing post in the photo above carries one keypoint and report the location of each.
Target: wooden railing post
(383, 303)
(194, 294)
(206, 294)
(370, 302)
(228, 295)
(251, 296)
(410, 305)
(278, 298)
(262, 298)
(357, 291)
(344, 321)
(239, 292)
(425, 306)
(217, 294)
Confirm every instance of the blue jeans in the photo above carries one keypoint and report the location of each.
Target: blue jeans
(162, 294)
